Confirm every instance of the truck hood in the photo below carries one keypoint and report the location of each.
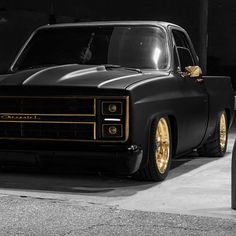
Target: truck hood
(78, 75)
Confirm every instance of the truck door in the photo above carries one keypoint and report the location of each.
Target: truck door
(193, 114)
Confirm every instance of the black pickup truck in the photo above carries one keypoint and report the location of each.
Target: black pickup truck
(125, 97)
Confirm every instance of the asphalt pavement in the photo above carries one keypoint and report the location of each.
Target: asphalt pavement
(32, 216)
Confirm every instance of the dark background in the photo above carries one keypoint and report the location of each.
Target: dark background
(19, 18)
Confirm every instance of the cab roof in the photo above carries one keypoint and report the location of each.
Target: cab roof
(111, 23)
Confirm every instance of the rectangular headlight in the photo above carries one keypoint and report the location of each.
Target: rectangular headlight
(112, 108)
(112, 130)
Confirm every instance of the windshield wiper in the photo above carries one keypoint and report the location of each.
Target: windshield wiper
(111, 66)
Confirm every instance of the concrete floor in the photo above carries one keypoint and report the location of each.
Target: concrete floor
(201, 187)
(195, 186)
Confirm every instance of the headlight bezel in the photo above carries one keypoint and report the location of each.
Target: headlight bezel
(119, 119)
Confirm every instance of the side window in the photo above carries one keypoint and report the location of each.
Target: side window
(183, 49)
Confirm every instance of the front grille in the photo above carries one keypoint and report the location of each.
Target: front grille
(63, 118)
(84, 131)
(48, 118)
(45, 105)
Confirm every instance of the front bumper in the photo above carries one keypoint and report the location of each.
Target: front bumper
(124, 162)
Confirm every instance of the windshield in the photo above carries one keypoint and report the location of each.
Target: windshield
(142, 47)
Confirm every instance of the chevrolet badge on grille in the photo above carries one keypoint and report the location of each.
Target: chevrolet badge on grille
(19, 117)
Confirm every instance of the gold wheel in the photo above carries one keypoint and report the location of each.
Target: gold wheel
(223, 132)
(216, 144)
(160, 154)
(162, 140)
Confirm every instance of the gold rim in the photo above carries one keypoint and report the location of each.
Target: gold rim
(162, 141)
(223, 130)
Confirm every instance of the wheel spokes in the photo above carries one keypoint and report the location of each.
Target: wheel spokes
(223, 132)
(162, 141)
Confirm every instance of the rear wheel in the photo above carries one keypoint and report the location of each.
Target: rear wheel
(217, 143)
(160, 152)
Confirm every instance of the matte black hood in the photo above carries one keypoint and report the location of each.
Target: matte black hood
(77, 76)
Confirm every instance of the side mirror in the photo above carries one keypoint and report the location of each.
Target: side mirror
(193, 71)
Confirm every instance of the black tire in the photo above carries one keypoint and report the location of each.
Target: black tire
(151, 172)
(214, 147)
